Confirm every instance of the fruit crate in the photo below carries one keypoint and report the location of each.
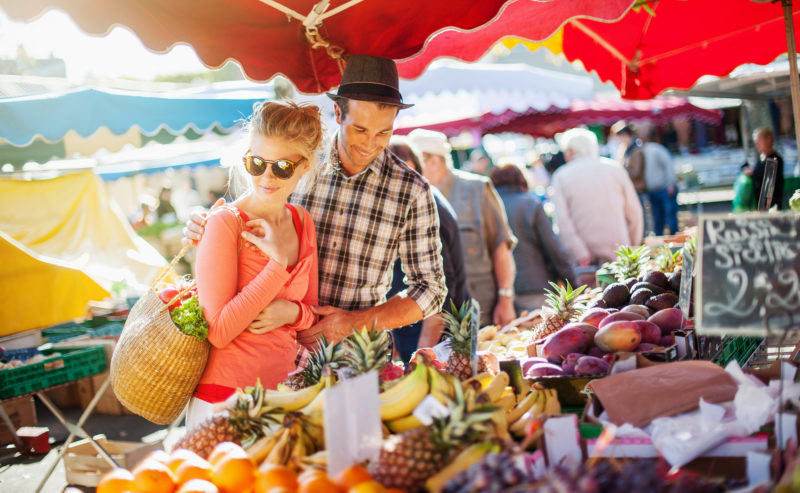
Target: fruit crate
(84, 466)
(60, 366)
(738, 348)
(96, 327)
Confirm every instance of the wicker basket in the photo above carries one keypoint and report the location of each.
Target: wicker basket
(156, 367)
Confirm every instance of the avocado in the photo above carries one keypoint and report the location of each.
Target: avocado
(662, 301)
(658, 278)
(675, 281)
(616, 294)
(599, 303)
(647, 285)
(640, 296)
(630, 282)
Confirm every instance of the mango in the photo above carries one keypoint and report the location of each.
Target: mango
(565, 341)
(666, 341)
(640, 309)
(526, 363)
(589, 329)
(668, 319)
(594, 316)
(645, 347)
(623, 335)
(544, 370)
(568, 365)
(651, 332)
(589, 365)
(596, 352)
(616, 317)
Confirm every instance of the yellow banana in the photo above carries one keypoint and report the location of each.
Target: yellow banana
(400, 425)
(484, 379)
(293, 400)
(497, 385)
(520, 426)
(538, 405)
(552, 406)
(441, 386)
(462, 462)
(506, 402)
(523, 387)
(500, 424)
(404, 397)
(278, 452)
(316, 407)
(261, 448)
(522, 407)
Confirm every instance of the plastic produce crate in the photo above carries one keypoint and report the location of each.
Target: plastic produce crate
(69, 365)
(737, 348)
(98, 327)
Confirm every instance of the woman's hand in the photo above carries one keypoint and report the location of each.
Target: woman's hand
(264, 236)
(277, 314)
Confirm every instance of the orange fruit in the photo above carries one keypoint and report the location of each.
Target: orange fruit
(368, 487)
(234, 474)
(319, 483)
(193, 469)
(159, 455)
(310, 473)
(271, 476)
(178, 457)
(223, 449)
(352, 476)
(280, 489)
(198, 486)
(153, 477)
(117, 480)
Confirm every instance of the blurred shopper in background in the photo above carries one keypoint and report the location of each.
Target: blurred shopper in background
(596, 206)
(485, 235)
(538, 256)
(631, 156)
(764, 140)
(662, 186)
(426, 333)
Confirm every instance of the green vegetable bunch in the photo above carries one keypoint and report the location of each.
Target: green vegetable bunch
(794, 202)
(189, 319)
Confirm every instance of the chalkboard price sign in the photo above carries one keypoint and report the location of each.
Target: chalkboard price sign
(748, 266)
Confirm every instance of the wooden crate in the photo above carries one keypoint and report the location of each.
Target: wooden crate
(108, 404)
(22, 413)
(85, 467)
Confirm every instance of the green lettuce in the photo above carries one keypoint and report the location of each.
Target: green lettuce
(189, 319)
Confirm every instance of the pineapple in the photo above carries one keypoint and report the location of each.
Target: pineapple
(458, 330)
(366, 350)
(324, 354)
(564, 305)
(630, 262)
(242, 424)
(409, 458)
(666, 261)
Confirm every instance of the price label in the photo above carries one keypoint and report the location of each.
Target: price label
(685, 295)
(429, 409)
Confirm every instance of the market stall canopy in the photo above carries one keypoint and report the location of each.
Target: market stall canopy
(604, 111)
(531, 20)
(672, 43)
(72, 244)
(454, 91)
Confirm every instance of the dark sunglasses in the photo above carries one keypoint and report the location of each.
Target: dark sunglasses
(282, 168)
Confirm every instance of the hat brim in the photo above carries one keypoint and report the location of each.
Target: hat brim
(372, 98)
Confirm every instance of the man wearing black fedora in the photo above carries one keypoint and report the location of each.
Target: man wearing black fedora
(369, 209)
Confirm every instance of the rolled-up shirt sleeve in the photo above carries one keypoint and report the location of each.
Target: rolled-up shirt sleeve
(420, 252)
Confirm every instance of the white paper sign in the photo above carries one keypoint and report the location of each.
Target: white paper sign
(786, 428)
(758, 467)
(561, 441)
(430, 408)
(352, 422)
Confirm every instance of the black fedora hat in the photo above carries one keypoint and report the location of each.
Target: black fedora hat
(370, 78)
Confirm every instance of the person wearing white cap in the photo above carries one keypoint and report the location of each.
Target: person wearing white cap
(485, 233)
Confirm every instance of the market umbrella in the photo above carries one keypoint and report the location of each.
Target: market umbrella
(304, 40)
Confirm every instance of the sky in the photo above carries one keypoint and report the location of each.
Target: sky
(120, 54)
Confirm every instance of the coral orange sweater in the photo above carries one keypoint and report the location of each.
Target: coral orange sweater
(234, 286)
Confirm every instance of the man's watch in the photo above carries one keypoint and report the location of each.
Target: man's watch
(506, 292)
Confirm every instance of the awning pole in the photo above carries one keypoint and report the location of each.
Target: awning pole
(792, 49)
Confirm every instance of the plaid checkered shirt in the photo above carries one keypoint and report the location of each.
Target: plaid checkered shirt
(364, 223)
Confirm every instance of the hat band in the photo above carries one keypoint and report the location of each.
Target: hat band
(357, 88)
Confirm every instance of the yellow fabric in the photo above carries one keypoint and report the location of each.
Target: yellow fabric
(71, 228)
(102, 139)
(554, 43)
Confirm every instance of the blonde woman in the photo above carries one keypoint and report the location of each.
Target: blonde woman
(258, 252)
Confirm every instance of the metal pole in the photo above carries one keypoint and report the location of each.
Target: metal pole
(792, 51)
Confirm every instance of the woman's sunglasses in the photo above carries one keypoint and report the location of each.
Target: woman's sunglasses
(282, 168)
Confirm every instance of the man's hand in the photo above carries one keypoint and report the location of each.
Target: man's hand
(277, 314)
(503, 311)
(335, 325)
(431, 331)
(197, 224)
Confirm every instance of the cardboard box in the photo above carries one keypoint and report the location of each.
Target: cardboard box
(22, 413)
(65, 395)
(108, 403)
(85, 467)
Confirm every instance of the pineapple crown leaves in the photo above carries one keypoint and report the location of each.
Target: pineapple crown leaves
(366, 349)
(250, 416)
(458, 327)
(325, 354)
(467, 422)
(565, 299)
(630, 261)
(666, 260)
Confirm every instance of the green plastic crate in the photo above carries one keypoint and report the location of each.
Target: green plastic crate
(737, 348)
(69, 365)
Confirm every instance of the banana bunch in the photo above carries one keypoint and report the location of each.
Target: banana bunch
(297, 438)
(538, 401)
(399, 401)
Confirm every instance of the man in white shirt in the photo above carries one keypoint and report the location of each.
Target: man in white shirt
(597, 208)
